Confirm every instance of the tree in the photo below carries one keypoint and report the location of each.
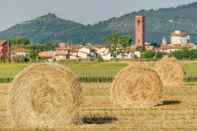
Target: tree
(151, 55)
(118, 43)
(158, 55)
(33, 54)
(193, 54)
(114, 41)
(20, 41)
(185, 54)
(181, 54)
(148, 55)
(126, 41)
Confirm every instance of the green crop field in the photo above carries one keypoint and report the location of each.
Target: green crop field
(83, 69)
(10, 70)
(103, 68)
(191, 69)
(89, 69)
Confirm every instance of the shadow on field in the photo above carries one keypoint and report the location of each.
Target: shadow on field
(98, 120)
(169, 102)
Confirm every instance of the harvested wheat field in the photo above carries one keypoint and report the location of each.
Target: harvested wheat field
(41, 94)
(177, 113)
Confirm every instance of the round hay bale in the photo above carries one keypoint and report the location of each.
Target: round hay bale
(170, 71)
(136, 87)
(44, 96)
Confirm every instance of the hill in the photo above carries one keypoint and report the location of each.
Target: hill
(47, 28)
(159, 23)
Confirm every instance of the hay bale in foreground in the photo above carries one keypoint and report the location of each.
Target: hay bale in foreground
(44, 96)
(170, 71)
(136, 87)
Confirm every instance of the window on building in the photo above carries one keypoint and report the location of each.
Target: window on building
(138, 22)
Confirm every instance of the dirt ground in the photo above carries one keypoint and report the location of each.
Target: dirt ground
(177, 113)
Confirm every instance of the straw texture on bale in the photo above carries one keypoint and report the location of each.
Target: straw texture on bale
(170, 71)
(136, 87)
(44, 96)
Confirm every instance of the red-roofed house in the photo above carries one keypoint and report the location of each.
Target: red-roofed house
(4, 49)
(46, 54)
(66, 51)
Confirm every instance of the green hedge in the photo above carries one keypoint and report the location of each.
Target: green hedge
(5, 80)
(97, 79)
(191, 79)
(85, 79)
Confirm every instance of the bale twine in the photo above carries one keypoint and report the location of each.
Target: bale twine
(170, 71)
(44, 96)
(136, 87)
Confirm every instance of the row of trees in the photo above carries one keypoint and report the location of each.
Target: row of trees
(182, 54)
(188, 54)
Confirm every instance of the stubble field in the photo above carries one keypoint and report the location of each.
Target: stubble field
(177, 113)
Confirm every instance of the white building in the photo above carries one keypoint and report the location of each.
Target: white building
(137, 54)
(178, 37)
(104, 53)
(164, 41)
(84, 52)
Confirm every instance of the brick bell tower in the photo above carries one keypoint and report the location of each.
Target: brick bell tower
(139, 31)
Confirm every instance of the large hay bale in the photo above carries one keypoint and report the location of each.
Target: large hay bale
(44, 96)
(170, 71)
(136, 87)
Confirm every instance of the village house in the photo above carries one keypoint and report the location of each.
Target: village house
(46, 55)
(103, 52)
(179, 38)
(84, 52)
(66, 51)
(19, 55)
(20, 52)
(5, 50)
(69, 52)
(129, 54)
(178, 41)
(137, 54)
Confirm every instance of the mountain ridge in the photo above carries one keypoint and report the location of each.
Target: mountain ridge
(159, 23)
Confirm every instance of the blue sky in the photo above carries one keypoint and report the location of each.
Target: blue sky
(84, 11)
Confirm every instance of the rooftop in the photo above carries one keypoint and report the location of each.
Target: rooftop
(179, 33)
